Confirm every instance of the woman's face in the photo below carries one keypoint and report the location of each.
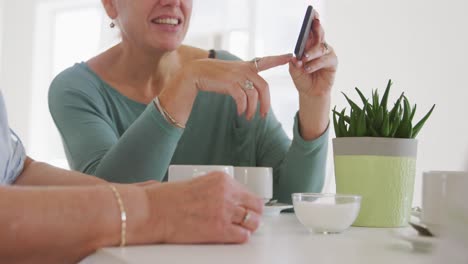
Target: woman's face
(154, 24)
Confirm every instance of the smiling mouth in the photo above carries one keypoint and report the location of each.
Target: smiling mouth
(167, 21)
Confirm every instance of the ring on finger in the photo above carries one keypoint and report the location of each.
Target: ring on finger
(255, 61)
(325, 47)
(248, 85)
(246, 217)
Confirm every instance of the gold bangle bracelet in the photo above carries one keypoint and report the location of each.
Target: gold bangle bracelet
(123, 216)
(165, 114)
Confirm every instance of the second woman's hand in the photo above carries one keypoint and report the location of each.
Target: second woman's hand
(233, 78)
(239, 79)
(313, 77)
(209, 209)
(314, 74)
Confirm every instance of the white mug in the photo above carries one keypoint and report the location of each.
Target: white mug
(439, 190)
(258, 180)
(454, 226)
(187, 172)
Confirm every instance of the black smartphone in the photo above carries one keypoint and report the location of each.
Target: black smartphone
(304, 34)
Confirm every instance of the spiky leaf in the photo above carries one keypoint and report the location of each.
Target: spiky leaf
(420, 124)
(361, 129)
(413, 112)
(385, 96)
(335, 124)
(342, 125)
(354, 106)
(385, 130)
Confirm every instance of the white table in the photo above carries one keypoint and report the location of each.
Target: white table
(281, 239)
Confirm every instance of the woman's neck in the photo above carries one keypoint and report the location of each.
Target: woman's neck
(137, 74)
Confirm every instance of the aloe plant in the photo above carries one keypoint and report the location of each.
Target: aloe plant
(375, 119)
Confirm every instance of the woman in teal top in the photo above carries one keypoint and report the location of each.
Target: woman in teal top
(205, 110)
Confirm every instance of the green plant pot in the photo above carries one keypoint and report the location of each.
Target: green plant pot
(382, 171)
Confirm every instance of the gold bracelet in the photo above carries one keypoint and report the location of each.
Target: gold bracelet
(123, 216)
(165, 114)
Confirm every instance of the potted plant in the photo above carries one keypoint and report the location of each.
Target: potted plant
(375, 156)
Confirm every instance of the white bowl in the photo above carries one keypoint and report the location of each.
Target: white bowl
(326, 213)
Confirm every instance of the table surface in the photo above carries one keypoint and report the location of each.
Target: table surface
(281, 239)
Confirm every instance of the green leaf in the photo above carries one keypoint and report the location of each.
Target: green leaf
(405, 129)
(378, 119)
(363, 98)
(413, 112)
(354, 106)
(345, 117)
(375, 100)
(396, 107)
(407, 108)
(369, 111)
(335, 123)
(342, 125)
(373, 132)
(385, 96)
(409, 132)
(420, 124)
(385, 130)
(396, 123)
(353, 124)
(361, 129)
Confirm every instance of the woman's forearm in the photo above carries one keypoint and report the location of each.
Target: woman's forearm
(143, 153)
(39, 174)
(65, 224)
(313, 116)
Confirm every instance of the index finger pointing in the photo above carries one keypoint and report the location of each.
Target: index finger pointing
(269, 62)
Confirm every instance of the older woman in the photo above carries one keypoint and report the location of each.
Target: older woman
(150, 101)
(64, 223)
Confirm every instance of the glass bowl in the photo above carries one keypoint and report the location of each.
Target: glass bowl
(326, 213)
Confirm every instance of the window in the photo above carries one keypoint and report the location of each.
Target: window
(70, 32)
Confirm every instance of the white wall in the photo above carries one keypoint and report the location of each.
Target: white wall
(1, 33)
(16, 63)
(422, 46)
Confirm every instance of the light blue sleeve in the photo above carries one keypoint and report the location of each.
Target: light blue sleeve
(12, 153)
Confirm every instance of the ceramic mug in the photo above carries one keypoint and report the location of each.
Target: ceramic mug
(187, 172)
(453, 239)
(439, 190)
(258, 180)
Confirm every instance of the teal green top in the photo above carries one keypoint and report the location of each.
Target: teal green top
(120, 140)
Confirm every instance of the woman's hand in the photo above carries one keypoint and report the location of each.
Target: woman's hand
(239, 79)
(207, 209)
(228, 77)
(314, 75)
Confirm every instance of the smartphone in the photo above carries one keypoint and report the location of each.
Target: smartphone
(304, 34)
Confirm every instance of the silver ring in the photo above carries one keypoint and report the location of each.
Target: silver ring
(255, 61)
(246, 217)
(248, 85)
(326, 48)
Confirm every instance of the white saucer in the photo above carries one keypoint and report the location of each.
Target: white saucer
(275, 209)
(419, 243)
